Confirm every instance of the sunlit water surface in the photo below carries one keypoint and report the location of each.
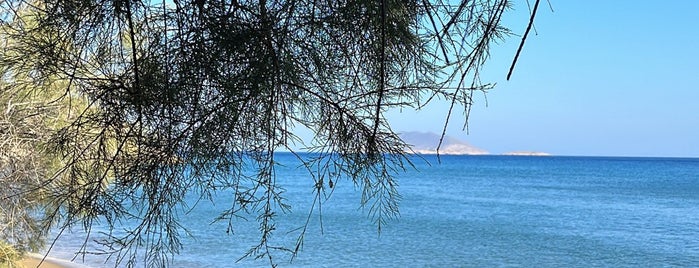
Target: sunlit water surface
(475, 211)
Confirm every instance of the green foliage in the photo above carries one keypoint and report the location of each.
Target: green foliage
(31, 111)
(22, 168)
(131, 105)
(9, 256)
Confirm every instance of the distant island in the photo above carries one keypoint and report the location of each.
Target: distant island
(427, 142)
(527, 153)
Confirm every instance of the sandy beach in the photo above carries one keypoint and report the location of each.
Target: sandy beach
(32, 260)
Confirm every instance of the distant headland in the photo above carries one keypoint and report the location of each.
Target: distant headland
(527, 153)
(427, 142)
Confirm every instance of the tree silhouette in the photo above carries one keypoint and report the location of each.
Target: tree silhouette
(191, 97)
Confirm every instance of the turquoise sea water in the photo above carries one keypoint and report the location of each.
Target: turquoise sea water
(479, 211)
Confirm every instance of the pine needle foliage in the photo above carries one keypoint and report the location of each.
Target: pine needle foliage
(163, 99)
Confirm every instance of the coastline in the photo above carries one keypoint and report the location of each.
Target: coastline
(31, 260)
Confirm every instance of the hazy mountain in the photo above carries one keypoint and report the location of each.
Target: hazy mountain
(426, 143)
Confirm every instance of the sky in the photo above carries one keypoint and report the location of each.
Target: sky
(598, 78)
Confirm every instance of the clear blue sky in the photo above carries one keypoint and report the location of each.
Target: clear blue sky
(609, 78)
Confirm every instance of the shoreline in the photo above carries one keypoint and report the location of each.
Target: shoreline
(31, 260)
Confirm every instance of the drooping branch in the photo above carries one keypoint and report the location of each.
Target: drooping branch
(524, 38)
(192, 97)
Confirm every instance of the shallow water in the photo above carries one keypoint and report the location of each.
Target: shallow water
(480, 211)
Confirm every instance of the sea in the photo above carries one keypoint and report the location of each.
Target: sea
(470, 211)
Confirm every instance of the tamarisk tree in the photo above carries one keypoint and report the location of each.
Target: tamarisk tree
(165, 99)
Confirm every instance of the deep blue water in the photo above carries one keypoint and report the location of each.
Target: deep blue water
(480, 211)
